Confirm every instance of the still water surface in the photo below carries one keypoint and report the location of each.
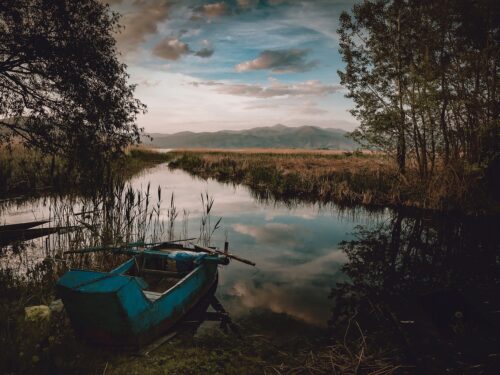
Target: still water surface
(405, 277)
(296, 248)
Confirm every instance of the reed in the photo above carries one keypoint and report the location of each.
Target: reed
(138, 158)
(369, 179)
(23, 170)
(27, 172)
(113, 216)
(206, 228)
(172, 214)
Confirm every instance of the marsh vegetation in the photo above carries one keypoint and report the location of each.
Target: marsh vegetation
(346, 178)
(411, 291)
(29, 172)
(29, 270)
(271, 342)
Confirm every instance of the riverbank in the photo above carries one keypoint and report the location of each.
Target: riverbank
(27, 172)
(270, 343)
(394, 261)
(346, 178)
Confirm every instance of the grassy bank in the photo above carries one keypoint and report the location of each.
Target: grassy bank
(344, 178)
(27, 172)
(271, 343)
(139, 158)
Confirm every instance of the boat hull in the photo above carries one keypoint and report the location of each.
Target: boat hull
(112, 309)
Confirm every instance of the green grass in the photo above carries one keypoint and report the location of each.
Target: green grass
(272, 343)
(27, 172)
(139, 158)
(345, 178)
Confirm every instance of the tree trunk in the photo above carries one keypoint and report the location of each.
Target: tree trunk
(401, 143)
(401, 150)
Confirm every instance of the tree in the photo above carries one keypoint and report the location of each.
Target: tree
(374, 45)
(62, 88)
(424, 76)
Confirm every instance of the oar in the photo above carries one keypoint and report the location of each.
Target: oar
(158, 245)
(103, 248)
(22, 226)
(218, 252)
(8, 237)
(124, 246)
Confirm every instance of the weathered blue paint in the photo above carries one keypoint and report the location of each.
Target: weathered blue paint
(112, 308)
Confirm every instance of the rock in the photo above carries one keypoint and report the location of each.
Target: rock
(56, 306)
(37, 313)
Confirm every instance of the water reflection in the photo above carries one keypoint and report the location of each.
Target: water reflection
(391, 270)
(430, 282)
(295, 247)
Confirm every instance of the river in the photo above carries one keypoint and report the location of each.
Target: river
(307, 253)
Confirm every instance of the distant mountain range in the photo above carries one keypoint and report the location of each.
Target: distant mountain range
(278, 136)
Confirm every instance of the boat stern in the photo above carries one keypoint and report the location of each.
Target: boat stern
(94, 305)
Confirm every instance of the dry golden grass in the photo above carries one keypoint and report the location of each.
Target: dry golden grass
(279, 151)
(343, 177)
(301, 161)
(347, 178)
(314, 164)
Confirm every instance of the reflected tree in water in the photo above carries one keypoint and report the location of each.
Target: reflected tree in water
(416, 280)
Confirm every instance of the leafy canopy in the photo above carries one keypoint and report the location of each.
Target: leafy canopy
(424, 79)
(62, 88)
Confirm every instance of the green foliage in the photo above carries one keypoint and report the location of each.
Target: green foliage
(424, 79)
(407, 266)
(62, 88)
(30, 172)
(346, 179)
(283, 176)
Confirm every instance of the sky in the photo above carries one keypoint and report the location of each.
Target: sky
(234, 64)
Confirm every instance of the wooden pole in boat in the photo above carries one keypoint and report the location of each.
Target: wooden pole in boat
(218, 252)
(123, 246)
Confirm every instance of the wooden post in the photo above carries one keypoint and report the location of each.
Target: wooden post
(232, 256)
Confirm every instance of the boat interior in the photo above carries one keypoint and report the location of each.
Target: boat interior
(157, 274)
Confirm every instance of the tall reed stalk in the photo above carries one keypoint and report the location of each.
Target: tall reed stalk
(206, 229)
(172, 214)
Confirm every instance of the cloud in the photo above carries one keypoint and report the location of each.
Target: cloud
(311, 111)
(206, 83)
(141, 22)
(297, 106)
(171, 49)
(214, 10)
(262, 106)
(206, 51)
(283, 61)
(247, 4)
(148, 82)
(275, 89)
(310, 108)
(270, 232)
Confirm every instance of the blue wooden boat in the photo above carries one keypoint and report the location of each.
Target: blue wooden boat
(141, 299)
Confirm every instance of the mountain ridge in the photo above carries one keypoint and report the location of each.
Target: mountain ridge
(277, 136)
